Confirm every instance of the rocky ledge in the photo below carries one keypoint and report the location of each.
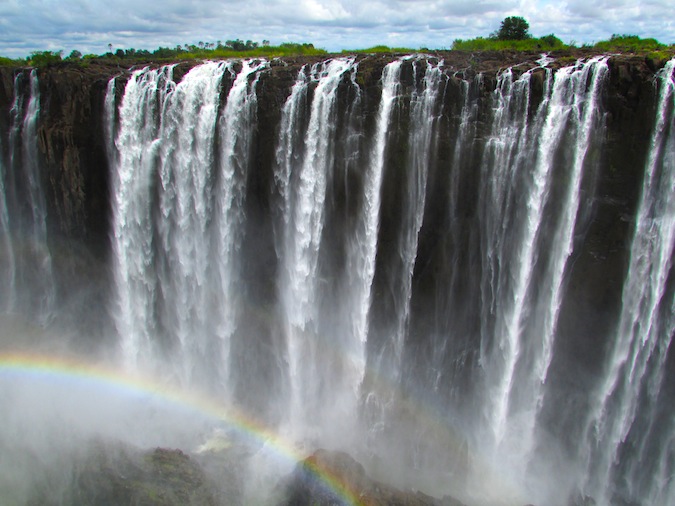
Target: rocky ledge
(110, 473)
(308, 485)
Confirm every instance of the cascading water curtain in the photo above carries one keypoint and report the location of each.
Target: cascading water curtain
(422, 244)
(27, 267)
(179, 187)
(630, 434)
(527, 236)
(325, 360)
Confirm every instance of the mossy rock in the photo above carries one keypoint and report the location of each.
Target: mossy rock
(117, 476)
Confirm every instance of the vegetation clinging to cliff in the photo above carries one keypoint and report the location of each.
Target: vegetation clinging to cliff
(239, 49)
(202, 50)
(513, 34)
(545, 43)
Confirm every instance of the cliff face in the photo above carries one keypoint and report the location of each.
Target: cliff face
(72, 146)
(72, 138)
(503, 219)
(71, 143)
(74, 158)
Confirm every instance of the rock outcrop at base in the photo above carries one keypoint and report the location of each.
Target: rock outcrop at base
(119, 475)
(329, 478)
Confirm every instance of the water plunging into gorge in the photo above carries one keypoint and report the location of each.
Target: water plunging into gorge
(411, 271)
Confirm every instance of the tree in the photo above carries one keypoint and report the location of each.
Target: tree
(513, 28)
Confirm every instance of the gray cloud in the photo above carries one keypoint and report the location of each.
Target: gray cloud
(90, 25)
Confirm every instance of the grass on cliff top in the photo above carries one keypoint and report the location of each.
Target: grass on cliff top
(187, 52)
(288, 49)
(631, 44)
(545, 43)
(616, 44)
(237, 49)
(381, 49)
(8, 62)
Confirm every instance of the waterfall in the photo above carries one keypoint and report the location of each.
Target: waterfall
(142, 104)
(387, 257)
(23, 208)
(305, 162)
(178, 215)
(110, 117)
(390, 91)
(374, 404)
(236, 131)
(423, 115)
(349, 205)
(630, 393)
(523, 272)
(7, 261)
(448, 337)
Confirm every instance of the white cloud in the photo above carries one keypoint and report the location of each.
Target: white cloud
(90, 25)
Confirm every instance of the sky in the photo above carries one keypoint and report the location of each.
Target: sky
(91, 25)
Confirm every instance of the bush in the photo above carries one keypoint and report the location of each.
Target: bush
(551, 42)
(381, 49)
(629, 43)
(8, 62)
(545, 43)
(43, 58)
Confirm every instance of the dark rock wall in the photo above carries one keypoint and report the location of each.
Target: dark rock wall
(72, 141)
(590, 311)
(444, 322)
(75, 163)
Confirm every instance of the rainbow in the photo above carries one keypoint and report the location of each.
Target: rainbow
(49, 368)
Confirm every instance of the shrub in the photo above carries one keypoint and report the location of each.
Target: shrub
(380, 49)
(629, 43)
(551, 42)
(546, 43)
(8, 62)
(43, 58)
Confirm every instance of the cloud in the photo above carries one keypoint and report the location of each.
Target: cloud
(90, 25)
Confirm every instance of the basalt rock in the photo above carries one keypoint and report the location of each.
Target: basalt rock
(116, 474)
(334, 478)
(75, 162)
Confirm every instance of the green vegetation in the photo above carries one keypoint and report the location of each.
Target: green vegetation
(513, 34)
(231, 49)
(43, 58)
(545, 43)
(629, 44)
(203, 50)
(8, 62)
(381, 49)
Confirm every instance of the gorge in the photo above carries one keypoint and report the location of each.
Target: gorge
(456, 268)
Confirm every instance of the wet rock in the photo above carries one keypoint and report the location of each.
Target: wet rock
(120, 475)
(330, 478)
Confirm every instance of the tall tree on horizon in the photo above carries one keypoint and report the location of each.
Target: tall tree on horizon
(513, 28)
